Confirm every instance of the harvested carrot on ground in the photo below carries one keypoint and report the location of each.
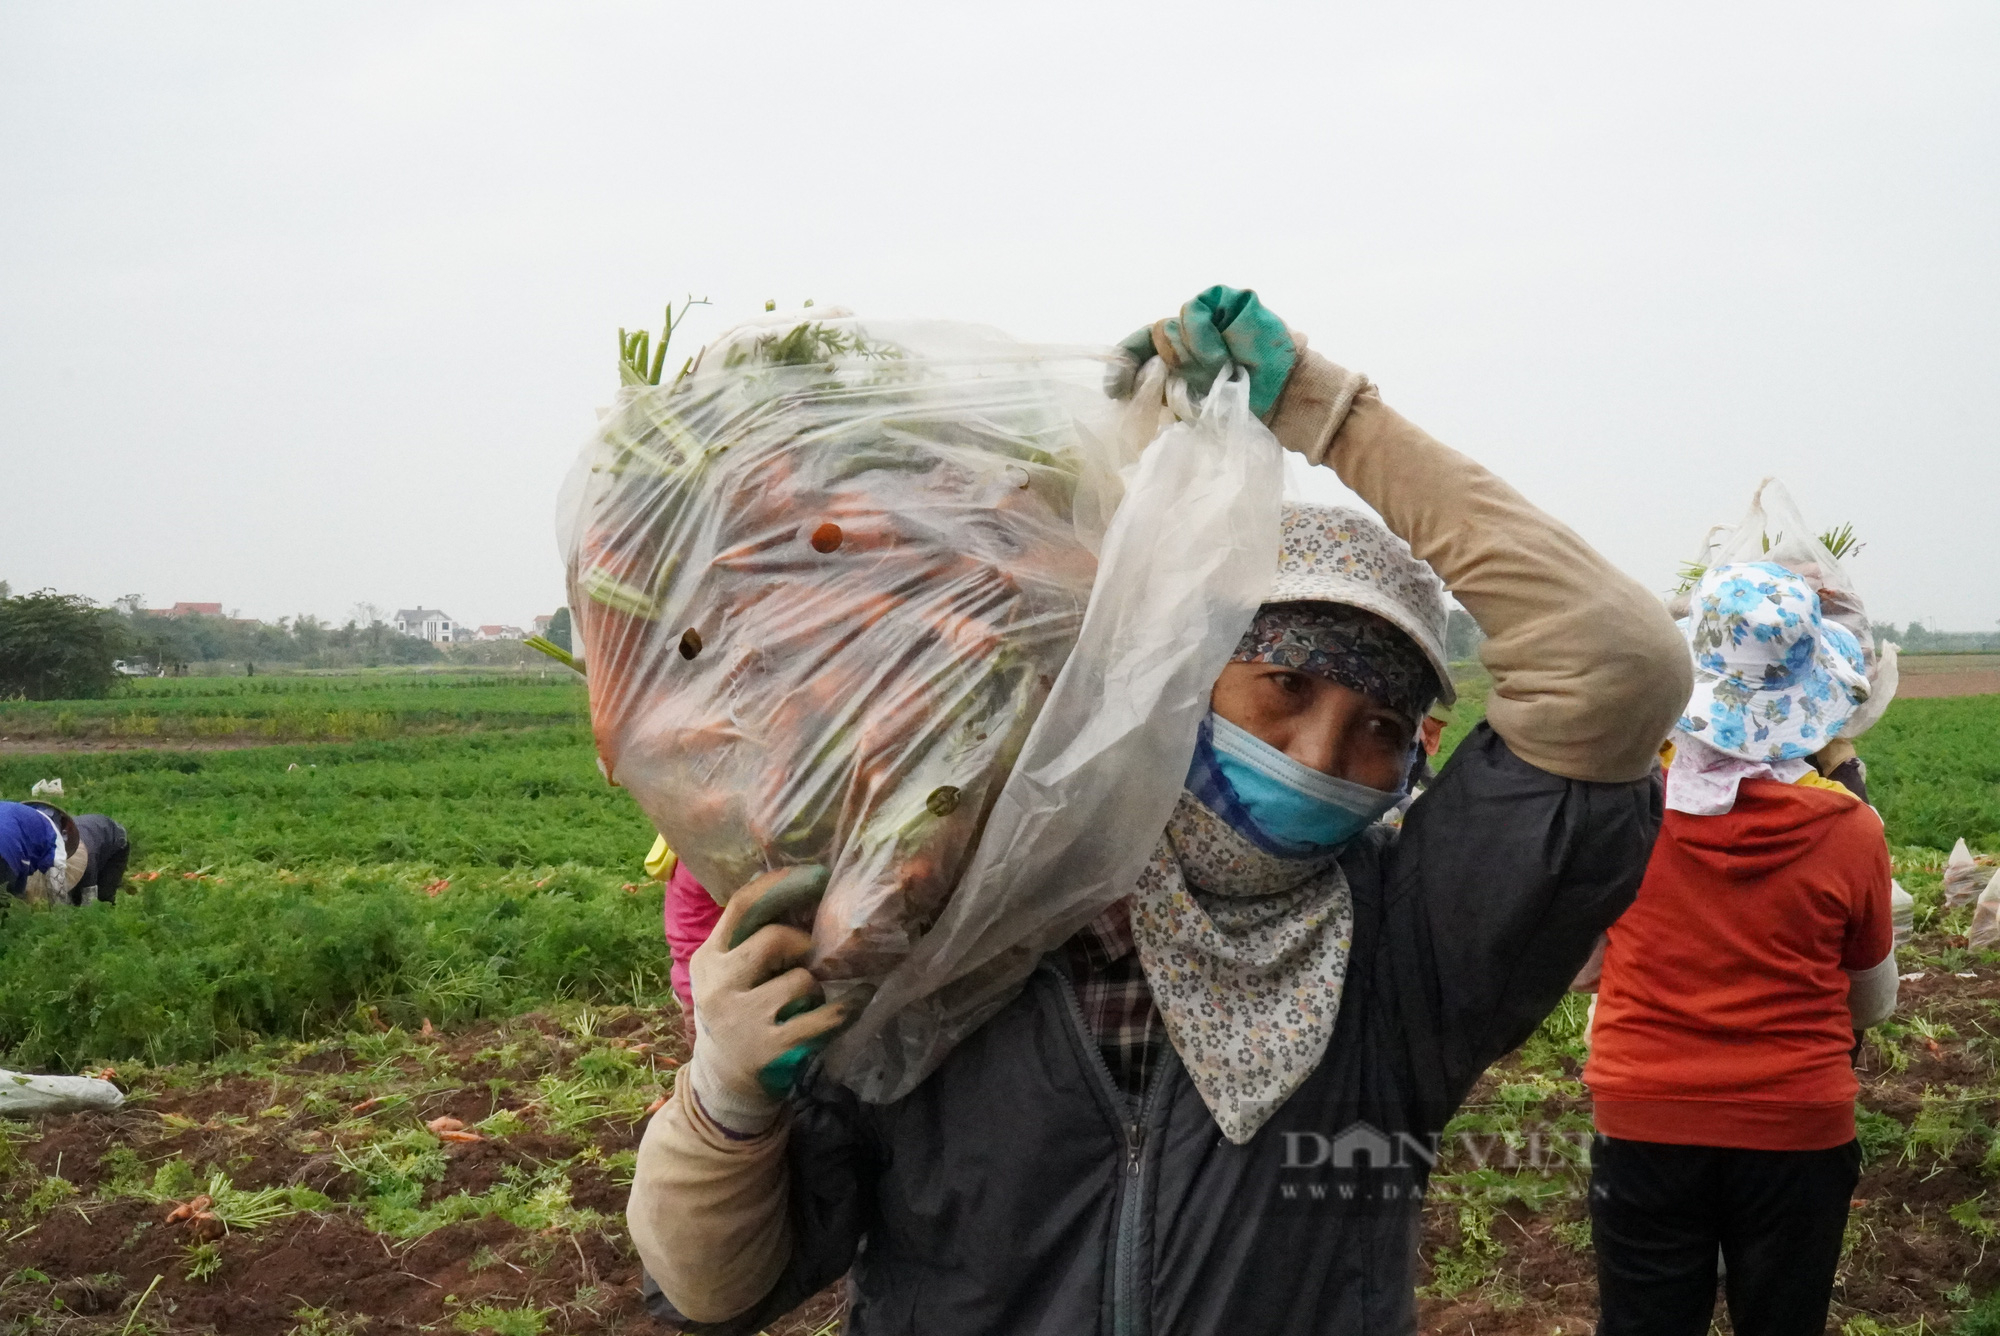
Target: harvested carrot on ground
(188, 1210)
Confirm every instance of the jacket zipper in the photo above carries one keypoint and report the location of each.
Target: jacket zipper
(1130, 1310)
(1128, 1307)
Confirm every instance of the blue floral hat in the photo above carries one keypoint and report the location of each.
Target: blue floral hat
(1773, 681)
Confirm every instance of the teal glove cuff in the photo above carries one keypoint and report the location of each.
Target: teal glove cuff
(792, 896)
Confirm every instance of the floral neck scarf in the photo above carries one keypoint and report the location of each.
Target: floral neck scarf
(1246, 955)
(1702, 781)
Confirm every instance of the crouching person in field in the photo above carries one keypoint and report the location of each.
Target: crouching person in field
(1215, 1109)
(87, 858)
(1732, 990)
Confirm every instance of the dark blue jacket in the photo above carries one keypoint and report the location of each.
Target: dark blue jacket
(27, 844)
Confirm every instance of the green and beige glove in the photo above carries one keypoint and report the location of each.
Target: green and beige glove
(1219, 329)
(758, 1012)
(1302, 397)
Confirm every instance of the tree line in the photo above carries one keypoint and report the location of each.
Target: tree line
(1917, 639)
(62, 646)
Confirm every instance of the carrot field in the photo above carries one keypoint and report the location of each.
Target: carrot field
(332, 941)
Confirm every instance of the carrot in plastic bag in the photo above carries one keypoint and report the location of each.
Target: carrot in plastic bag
(821, 581)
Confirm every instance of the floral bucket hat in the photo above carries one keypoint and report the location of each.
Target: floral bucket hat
(1773, 680)
(1336, 554)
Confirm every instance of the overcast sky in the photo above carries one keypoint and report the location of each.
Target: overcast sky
(305, 305)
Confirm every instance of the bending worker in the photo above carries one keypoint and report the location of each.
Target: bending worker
(55, 859)
(1215, 1109)
(1761, 942)
(98, 850)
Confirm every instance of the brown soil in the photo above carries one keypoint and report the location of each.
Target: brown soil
(1974, 683)
(72, 746)
(100, 1251)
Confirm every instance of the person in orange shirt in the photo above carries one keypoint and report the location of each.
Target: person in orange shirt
(1732, 989)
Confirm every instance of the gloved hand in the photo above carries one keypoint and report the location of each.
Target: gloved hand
(1220, 328)
(758, 1012)
(1832, 756)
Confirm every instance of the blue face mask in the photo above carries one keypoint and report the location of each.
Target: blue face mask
(1286, 809)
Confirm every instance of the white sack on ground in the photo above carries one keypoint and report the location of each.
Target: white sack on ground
(25, 1096)
(1964, 878)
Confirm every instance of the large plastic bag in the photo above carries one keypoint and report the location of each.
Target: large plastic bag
(825, 583)
(1984, 934)
(1774, 530)
(1964, 876)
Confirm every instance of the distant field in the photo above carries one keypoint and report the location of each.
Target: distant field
(191, 709)
(1472, 684)
(278, 886)
(1928, 676)
(1947, 663)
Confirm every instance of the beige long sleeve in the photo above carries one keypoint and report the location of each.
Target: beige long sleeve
(709, 1213)
(1588, 671)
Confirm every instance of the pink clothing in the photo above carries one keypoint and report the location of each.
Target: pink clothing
(690, 915)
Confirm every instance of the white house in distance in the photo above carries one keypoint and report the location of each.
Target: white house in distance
(430, 624)
(500, 633)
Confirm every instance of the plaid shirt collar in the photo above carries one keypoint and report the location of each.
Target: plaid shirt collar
(1108, 937)
(1116, 1003)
